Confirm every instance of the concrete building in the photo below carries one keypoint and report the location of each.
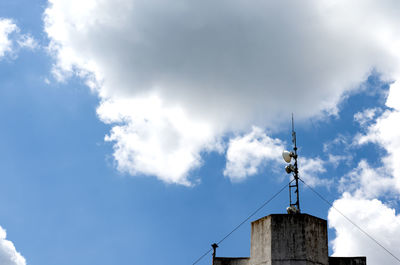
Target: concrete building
(289, 239)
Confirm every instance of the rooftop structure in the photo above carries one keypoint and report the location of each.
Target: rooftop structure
(289, 239)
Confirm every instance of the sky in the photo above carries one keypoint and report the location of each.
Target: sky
(143, 131)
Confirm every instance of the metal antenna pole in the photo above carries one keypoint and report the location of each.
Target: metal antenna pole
(295, 171)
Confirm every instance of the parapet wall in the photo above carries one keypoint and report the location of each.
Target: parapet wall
(231, 261)
(347, 260)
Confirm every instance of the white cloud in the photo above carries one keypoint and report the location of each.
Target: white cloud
(156, 140)
(368, 182)
(341, 141)
(363, 185)
(8, 254)
(386, 134)
(365, 116)
(247, 153)
(27, 41)
(393, 100)
(310, 170)
(227, 65)
(12, 40)
(6, 28)
(375, 218)
(335, 160)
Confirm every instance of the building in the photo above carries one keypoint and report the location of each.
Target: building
(289, 239)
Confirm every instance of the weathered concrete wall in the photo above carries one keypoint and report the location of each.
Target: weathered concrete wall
(347, 260)
(231, 261)
(288, 239)
(260, 249)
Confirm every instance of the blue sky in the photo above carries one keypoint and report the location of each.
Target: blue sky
(147, 130)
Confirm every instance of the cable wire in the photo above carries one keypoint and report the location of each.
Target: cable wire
(202, 256)
(244, 221)
(348, 219)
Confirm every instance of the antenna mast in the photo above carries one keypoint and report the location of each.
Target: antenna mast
(292, 168)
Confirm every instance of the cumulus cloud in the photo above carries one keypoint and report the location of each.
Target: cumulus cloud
(375, 218)
(368, 182)
(8, 254)
(336, 160)
(361, 189)
(11, 39)
(341, 142)
(311, 170)
(228, 65)
(6, 28)
(247, 153)
(385, 133)
(28, 42)
(365, 116)
(366, 187)
(156, 140)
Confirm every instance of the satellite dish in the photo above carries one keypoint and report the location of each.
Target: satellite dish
(287, 156)
(289, 169)
(292, 210)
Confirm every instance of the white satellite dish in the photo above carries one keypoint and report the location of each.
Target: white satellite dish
(287, 156)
